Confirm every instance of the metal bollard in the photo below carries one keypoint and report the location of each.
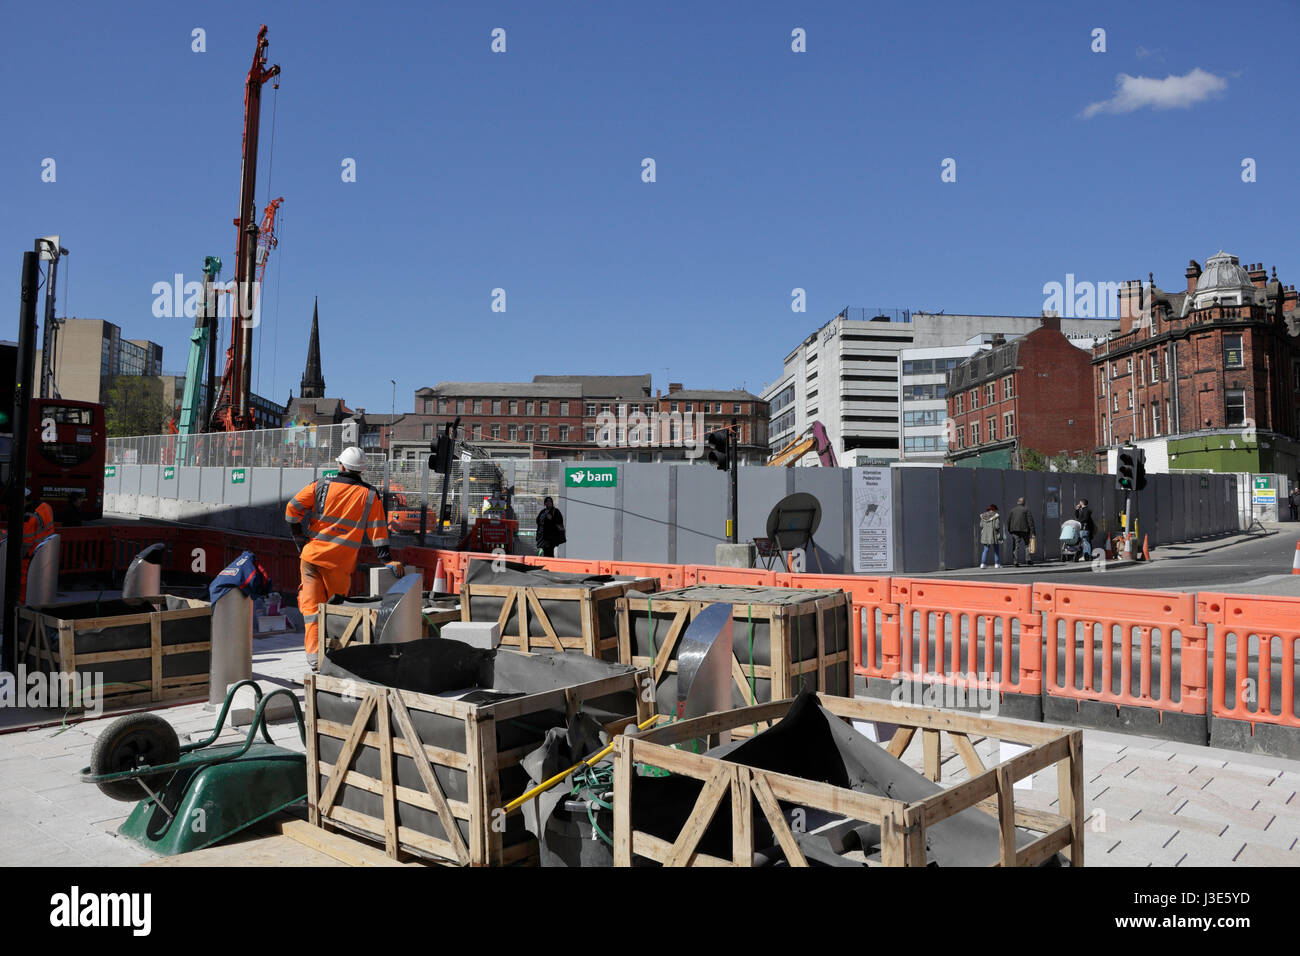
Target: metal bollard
(144, 576)
(232, 644)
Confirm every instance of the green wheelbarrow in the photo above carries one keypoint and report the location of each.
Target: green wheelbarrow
(197, 795)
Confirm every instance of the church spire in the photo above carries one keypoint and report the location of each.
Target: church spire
(313, 381)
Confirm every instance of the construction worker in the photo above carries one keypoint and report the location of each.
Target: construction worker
(343, 511)
(38, 523)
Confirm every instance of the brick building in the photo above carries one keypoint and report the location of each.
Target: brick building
(1031, 393)
(718, 409)
(1190, 371)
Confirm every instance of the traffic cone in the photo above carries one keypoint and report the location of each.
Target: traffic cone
(1295, 565)
(439, 579)
(1146, 551)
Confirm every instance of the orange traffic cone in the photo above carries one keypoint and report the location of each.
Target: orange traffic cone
(1146, 551)
(1295, 565)
(439, 579)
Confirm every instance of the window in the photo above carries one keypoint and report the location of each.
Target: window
(514, 407)
(1008, 424)
(960, 401)
(428, 431)
(717, 407)
(1007, 387)
(591, 434)
(1130, 365)
(974, 399)
(564, 433)
(672, 407)
(528, 408)
(478, 406)
(961, 436)
(1155, 369)
(496, 431)
(478, 432)
(528, 433)
(460, 406)
(990, 393)
(992, 423)
(512, 432)
(546, 408)
(591, 410)
(1115, 398)
(496, 406)
(564, 409)
(1130, 398)
(428, 406)
(1234, 406)
(1155, 418)
(545, 432)
(1166, 363)
(1142, 373)
(974, 433)
(1169, 416)
(604, 406)
(1232, 355)
(690, 407)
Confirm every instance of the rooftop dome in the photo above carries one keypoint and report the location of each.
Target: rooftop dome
(1224, 279)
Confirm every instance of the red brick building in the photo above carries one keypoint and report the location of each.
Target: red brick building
(1031, 393)
(1197, 366)
(718, 408)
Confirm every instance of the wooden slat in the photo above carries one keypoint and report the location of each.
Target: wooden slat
(705, 809)
(1069, 784)
(1006, 816)
(438, 755)
(389, 795)
(428, 777)
(155, 654)
(767, 802)
(543, 619)
(930, 747)
(348, 751)
(313, 754)
(966, 750)
(899, 742)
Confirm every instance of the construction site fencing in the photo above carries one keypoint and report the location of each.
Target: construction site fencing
(305, 446)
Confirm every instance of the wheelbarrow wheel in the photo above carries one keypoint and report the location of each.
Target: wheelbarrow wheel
(134, 742)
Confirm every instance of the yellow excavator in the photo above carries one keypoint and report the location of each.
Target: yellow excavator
(816, 440)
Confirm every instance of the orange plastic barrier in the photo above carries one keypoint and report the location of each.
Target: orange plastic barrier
(875, 642)
(1272, 624)
(1135, 626)
(750, 577)
(973, 634)
(671, 576)
(566, 565)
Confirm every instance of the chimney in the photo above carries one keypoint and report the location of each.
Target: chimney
(1193, 273)
(1130, 301)
(674, 387)
(1051, 320)
(1289, 298)
(1258, 275)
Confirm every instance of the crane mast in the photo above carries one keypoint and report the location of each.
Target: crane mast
(233, 411)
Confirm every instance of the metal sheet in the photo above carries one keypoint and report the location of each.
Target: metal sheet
(704, 660)
(398, 621)
(43, 573)
(144, 575)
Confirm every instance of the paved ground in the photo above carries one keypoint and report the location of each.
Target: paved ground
(1148, 802)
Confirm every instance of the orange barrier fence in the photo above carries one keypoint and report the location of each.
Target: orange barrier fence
(1124, 648)
(748, 577)
(1254, 659)
(971, 634)
(671, 576)
(875, 619)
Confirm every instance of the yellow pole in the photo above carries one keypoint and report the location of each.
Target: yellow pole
(545, 785)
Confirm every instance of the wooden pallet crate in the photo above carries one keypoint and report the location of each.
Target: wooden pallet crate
(903, 824)
(358, 623)
(532, 629)
(146, 656)
(800, 641)
(461, 786)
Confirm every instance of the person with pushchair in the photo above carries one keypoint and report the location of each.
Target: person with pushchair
(1083, 515)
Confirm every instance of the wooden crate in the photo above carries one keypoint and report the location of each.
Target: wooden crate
(903, 824)
(384, 724)
(788, 626)
(149, 669)
(359, 624)
(527, 602)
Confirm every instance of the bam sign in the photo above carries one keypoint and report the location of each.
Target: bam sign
(590, 477)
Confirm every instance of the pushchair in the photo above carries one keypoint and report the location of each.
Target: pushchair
(1071, 543)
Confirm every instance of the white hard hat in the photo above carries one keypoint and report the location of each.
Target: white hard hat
(353, 459)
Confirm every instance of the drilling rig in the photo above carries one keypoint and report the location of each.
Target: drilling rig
(233, 410)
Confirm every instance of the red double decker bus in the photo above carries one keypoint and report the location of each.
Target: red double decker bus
(65, 455)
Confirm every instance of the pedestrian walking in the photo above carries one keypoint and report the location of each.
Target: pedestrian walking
(1295, 504)
(1083, 515)
(991, 536)
(550, 528)
(1020, 522)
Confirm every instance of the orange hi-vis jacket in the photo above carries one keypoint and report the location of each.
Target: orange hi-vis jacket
(38, 527)
(344, 510)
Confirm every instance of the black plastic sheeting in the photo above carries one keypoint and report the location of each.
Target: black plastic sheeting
(437, 666)
(131, 637)
(812, 743)
(649, 630)
(565, 615)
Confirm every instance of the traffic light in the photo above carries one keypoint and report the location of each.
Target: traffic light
(440, 460)
(1126, 471)
(1140, 469)
(717, 442)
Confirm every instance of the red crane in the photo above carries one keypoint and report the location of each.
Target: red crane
(233, 411)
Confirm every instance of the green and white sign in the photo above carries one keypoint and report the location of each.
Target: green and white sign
(590, 477)
(1264, 493)
(329, 473)
(169, 473)
(236, 476)
(110, 471)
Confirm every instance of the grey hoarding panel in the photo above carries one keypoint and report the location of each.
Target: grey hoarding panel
(589, 520)
(236, 494)
(759, 489)
(956, 499)
(149, 480)
(130, 475)
(113, 483)
(187, 483)
(1164, 509)
(701, 510)
(1178, 490)
(212, 485)
(264, 487)
(645, 512)
(169, 488)
(917, 490)
(827, 486)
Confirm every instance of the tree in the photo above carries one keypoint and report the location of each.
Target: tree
(134, 405)
(1031, 460)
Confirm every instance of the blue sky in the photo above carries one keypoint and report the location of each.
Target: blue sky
(522, 171)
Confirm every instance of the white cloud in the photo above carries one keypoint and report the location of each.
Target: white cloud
(1173, 92)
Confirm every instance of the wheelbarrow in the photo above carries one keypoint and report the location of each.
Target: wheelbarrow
(194, 796)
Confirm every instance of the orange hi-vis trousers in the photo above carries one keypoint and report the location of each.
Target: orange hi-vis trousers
(318, 586)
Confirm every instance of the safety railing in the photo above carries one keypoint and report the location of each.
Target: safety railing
(1254, 659)
(303, 446)
(874, 622)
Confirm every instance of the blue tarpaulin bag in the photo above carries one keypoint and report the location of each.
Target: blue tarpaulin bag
(243, 574)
